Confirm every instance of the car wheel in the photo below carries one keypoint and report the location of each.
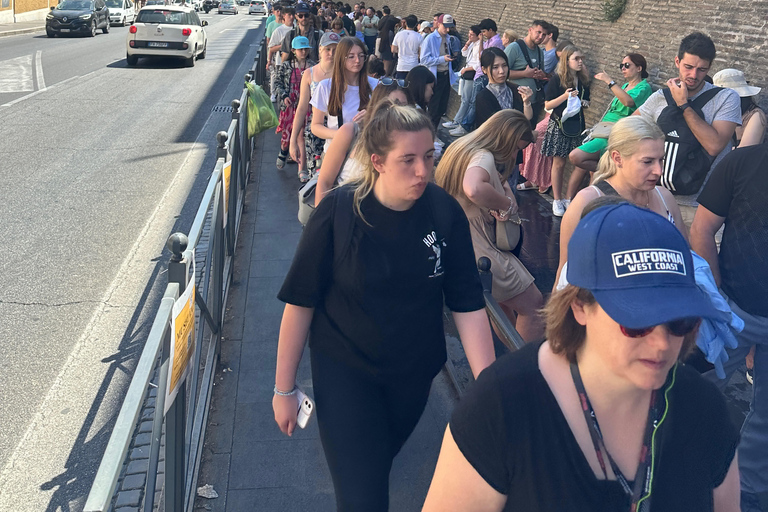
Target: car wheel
(202, 54)
(190, 62)
(50, 33)
(106, 28)
(123, 22)
(132, 59)
(92, 33)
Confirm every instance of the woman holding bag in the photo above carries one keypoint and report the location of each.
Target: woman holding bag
(563, 136)
(469, 172)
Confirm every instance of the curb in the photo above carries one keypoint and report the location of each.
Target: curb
(22, 31)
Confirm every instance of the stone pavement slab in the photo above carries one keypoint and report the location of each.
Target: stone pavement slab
(21, 27)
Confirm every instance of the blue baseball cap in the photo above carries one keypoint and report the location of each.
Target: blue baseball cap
(637, 265)
(300, 42)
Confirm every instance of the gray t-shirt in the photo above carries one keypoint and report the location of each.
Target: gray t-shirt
(443, 66)
(517, 62)
(725, 106)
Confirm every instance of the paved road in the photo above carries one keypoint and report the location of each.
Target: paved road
(98, 161)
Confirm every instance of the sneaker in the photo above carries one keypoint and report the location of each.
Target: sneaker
(459, 131)
(557, 208)
(273, 98)
(450, 124)
(440, 143)
(751, 376)
(566, 203)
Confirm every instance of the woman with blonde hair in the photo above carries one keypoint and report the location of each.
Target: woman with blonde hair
(564, 135)
(367, 284)
(469, 171)
(630, 167)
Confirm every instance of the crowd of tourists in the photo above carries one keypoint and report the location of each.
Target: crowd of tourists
(608, 406)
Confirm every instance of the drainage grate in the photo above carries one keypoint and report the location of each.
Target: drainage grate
(222, 108)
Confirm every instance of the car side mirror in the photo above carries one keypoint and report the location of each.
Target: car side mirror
(203, 23)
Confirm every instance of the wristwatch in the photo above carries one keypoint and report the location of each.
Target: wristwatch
(611, 83)
(684, 106)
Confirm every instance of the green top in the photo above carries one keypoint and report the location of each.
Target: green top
(270, 19)
(271, 28)
(638, 93)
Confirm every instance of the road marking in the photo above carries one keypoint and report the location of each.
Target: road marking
(18, 100)
(16, 75)
(39, 70)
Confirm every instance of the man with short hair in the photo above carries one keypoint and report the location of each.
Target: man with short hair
(526, 64)
(276, 22)
(550, 49)
(351, 14)
(275, 42)
(406, 45)
(721, 113)
(437, 53)
(370, 29)
(349, 25)
(435, 17)
(490, 37)
(735, 196)
(305, 27)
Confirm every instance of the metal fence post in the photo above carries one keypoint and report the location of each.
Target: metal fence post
(175, 426)
(221, 148)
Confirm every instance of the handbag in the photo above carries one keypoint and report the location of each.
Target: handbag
(307, 200)
(468, 75)
(601, 130)
(508, 233)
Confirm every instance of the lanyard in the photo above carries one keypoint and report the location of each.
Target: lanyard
(640, 492)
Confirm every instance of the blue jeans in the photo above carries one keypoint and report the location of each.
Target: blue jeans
(469, 119)
(467, 100)
(370, 42)
(753, 448)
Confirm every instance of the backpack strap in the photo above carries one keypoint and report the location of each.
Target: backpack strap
(524, 50)
(698, 104)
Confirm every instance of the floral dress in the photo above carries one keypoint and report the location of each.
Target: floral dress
(288, 85)
(312, 143)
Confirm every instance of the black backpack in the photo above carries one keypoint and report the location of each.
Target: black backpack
(540, 84)
(686, 163)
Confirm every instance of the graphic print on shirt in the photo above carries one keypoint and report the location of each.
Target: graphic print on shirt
(436, 245)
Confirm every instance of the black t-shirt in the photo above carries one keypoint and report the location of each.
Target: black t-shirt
(379, 305)
(737, 190)
(512, 431)
(555, 89)
(349, 25)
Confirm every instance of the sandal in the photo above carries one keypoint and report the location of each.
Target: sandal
(546, 190)
(526, 186)
(303, 176)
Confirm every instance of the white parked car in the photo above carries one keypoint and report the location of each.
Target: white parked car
(257, 7)
(121, 12)
(167, 31)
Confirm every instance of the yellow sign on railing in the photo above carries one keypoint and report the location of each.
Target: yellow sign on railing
(226, 173)
(183, 344)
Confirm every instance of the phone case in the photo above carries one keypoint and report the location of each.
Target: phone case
(306, 408)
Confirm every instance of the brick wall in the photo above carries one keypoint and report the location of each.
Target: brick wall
(653, 28)
(23, 6)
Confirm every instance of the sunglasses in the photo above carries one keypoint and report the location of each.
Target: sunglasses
(680, 327)
(624, 65)
(301, 15)
(388, 80)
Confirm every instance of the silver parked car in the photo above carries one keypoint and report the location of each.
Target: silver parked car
(227, 8)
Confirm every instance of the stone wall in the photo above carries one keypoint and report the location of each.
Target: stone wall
(653, 28)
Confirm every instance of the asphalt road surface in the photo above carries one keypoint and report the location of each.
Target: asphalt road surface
(100, 163)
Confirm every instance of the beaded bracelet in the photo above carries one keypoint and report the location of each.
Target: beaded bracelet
(283, 393)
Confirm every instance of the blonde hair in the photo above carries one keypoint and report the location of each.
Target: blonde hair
(625, 138)
(500, 135)
(511, 35)
(385, 119)
(564, 71)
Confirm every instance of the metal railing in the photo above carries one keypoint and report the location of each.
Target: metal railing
(214, 231)
(503, 327)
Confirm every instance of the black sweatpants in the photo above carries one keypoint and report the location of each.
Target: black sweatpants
(363, 423)
(438, 105)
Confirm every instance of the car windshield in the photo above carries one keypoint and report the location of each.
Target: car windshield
(155, 2)
(115, 4)
(74, 5)
(160, 16)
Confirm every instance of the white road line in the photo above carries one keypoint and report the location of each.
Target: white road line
(39, 70)
(16, 75)
(18, 100)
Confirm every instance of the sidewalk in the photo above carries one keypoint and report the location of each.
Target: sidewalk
(22, 27)
(247, 460)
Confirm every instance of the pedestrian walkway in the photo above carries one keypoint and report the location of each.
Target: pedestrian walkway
(21, 27)
(247, 460)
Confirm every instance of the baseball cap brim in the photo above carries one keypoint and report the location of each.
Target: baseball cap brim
(643, 307)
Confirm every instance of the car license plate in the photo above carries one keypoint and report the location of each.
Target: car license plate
(154, 44)
(65, 30)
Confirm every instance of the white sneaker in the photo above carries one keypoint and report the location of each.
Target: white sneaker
(566, 203)
(558, 209)
(450, 124)
(459, 131)
(440, 143)
(273, 98)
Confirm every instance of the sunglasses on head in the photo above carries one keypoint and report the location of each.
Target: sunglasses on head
(388, 80)
(624, 65)
(679, 327)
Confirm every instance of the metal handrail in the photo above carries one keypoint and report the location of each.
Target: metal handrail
(508, 334)
(185, 429)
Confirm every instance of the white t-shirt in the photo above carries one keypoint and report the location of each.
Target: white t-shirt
(408, 44)
(351, 100)
(277, 39)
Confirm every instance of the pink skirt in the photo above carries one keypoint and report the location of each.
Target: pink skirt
(537, 168)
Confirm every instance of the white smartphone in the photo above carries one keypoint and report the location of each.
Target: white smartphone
(306, 408)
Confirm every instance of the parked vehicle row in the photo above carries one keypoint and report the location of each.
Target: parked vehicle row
(167, 31)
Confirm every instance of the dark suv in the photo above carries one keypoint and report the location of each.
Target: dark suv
(77, 17)
(208, 5)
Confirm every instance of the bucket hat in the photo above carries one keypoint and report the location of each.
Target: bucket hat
(734, 79)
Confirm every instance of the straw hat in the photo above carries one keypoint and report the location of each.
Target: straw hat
(734, 79)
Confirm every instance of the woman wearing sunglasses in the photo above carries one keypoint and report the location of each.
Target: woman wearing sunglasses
(630, 167)
(627, 99)
(343, 160)
(601, 416)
